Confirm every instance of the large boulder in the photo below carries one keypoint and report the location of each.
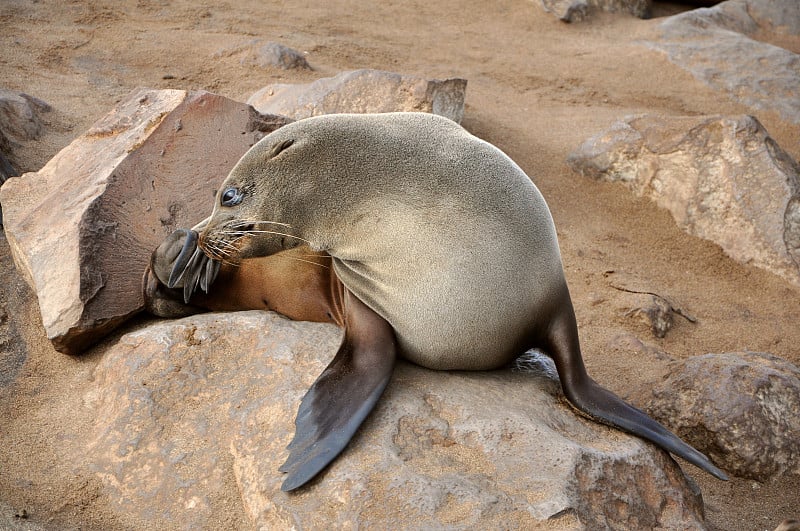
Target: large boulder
(364, 91)
(724, 47)
(81, 229)
(739, 408)
(189, 409)
(723, 179)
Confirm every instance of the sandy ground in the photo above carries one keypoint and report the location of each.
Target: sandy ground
(537, 88)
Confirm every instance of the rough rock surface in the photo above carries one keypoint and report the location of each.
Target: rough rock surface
(577, 10)
(364, 91)
(19, 122)
(266, 54)
(184, 408)
(19, 115)
(722, 178)
(82, 228)
(721, 47)
(739, 408)
(6, 168)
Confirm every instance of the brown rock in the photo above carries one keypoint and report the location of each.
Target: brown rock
(364, 91)
(82, 228)
(183, 405)
(723, 179)
(741, 409)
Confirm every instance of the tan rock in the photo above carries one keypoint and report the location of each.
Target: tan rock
(183, 405)
(81, 229)
(723, 46)
(740, 408)
(364, 91)
(723, 179)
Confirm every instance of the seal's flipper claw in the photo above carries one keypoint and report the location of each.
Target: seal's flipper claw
(210, 272)
(194, 272)
(184, 257)
(186, 254)
(343, 395)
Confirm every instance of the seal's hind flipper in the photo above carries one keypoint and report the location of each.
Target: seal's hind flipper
(343, 395)
(602, 405)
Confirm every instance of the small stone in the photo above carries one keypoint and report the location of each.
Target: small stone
(267, 54)
(279, 56)
(19, 116)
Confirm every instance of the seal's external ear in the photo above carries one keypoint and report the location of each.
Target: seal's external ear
(280, 146)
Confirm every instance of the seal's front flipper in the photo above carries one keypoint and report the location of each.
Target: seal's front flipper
(180, 263)
(343, 395)
(602, 405)
(176, 268)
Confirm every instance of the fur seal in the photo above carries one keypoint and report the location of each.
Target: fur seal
(440, 249)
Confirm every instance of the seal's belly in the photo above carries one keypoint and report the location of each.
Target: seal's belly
(473, 313)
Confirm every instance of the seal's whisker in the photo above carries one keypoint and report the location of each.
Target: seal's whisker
(278, 234)
(243, 222)
(243, 233)
(301, 260)
(215, 251)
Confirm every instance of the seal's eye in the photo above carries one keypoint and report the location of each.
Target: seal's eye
(231, 197)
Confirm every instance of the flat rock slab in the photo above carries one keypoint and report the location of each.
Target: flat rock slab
(364, 91)
(185, 408)
(723, 179)
(723, 47)
(739, 408)
(81, 229)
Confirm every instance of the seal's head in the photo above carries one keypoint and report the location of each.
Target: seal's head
(238, 227)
